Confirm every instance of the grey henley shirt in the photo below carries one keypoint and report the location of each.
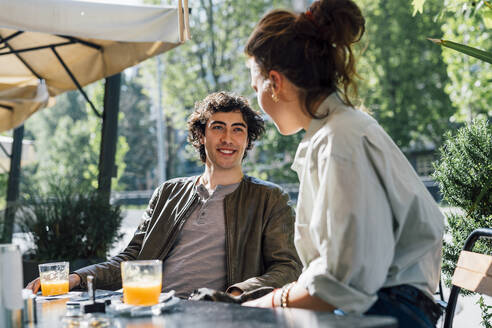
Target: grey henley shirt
(198, 257)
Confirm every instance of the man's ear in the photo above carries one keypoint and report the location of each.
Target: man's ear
(277, 80)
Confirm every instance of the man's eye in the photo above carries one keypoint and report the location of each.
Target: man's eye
(216, 127)
(238, 130)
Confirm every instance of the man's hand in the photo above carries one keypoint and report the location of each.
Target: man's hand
(34, 285)
(73, 281)
(263, 302)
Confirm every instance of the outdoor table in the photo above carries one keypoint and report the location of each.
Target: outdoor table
(216, 315)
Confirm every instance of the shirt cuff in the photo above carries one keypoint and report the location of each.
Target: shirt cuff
(320, 283)
(234, 287)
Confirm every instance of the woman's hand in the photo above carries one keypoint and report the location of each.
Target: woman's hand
(298, 297)
(262, 302)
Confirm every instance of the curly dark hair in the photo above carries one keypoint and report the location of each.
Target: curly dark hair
(223, 102)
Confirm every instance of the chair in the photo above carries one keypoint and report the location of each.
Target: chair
(473, 272)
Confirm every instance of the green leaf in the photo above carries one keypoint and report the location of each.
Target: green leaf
(487, 18)
(418, 6)
(486, 56)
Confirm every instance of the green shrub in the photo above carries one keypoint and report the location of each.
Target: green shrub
(464, 174)
(68, 224)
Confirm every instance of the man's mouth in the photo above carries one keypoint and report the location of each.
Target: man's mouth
(226, 151)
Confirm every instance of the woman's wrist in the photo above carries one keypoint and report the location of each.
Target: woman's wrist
(284, 295)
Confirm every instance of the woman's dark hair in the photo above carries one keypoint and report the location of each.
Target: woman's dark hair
(312, 49)
(223, 102)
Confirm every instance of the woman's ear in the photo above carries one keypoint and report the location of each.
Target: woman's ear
(277, 80)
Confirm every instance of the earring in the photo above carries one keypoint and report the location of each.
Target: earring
(275, 98)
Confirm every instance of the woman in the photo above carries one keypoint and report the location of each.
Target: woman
(367, 231)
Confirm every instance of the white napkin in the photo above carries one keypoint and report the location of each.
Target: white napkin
(55, 297)
(11, 284)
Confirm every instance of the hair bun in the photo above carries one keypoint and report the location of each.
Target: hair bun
(338, 22)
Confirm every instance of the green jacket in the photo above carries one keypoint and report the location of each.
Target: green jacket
(259, 234)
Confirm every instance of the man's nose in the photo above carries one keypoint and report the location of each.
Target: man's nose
(226, 136)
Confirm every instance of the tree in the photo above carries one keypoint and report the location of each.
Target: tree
(465, 167)
(466, 26)
(409, 102)
(275, 154)
(404, 75)
(67, 140)
(139, 131)
(470, 79)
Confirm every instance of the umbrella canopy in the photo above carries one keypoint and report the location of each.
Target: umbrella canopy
(24, 99)
(69, 44)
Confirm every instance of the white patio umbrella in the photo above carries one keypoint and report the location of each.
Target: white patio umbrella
(70, 44)
(66, 45)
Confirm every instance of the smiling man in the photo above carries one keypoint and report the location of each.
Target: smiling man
(222, 230)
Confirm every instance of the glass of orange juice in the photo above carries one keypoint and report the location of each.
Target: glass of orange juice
(54, 278)
(142, 282)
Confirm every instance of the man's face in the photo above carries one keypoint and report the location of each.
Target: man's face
(225, 140)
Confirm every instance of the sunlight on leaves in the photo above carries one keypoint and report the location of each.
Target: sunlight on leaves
(487, 18)
(418, 6)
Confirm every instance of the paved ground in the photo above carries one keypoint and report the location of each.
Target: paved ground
(468, 313)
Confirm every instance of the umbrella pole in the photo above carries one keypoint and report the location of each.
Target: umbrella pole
(13, 184)
(109, 135)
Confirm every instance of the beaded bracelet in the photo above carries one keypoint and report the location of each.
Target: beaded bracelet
(284, 296)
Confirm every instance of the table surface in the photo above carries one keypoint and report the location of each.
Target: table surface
(186, 313)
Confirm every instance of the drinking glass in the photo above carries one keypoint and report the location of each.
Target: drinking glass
(54, 278)
(142, 282)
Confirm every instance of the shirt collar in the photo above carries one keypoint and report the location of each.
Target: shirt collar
(220, 191)
(328, 106)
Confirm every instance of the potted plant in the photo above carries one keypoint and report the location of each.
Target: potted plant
(464, 174)
(68, 225)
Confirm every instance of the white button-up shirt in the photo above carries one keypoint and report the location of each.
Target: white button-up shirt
(364, 219)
